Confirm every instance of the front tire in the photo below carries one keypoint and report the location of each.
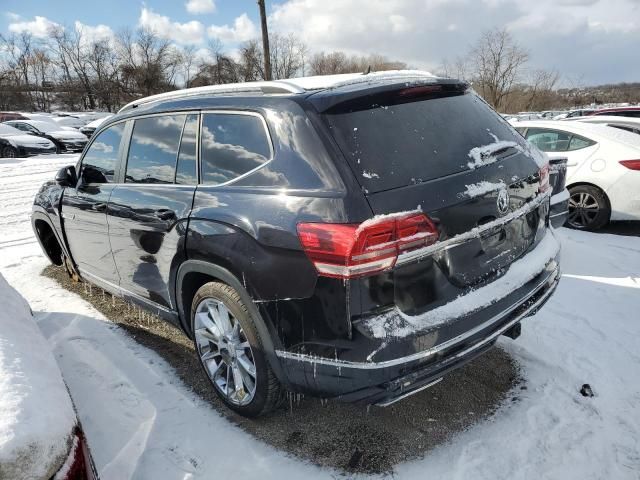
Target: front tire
(9, 152)
(230, 351)
(589, 208)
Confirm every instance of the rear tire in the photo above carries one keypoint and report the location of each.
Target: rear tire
(589, 208)
(231, 352)
(9, 152)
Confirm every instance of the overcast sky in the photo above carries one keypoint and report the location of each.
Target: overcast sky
(587, 41)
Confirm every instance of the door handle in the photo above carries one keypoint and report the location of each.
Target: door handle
(99, 207)
(164, 214)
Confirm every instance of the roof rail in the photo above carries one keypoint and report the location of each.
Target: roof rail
(291, 85)
(265, 87)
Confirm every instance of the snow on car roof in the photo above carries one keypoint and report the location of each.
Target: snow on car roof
(36, 414)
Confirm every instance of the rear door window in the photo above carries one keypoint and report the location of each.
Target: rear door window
(153, 150)
(232, 145)
(394, 141)
(549, 140)
(100, 161)
(578, 143)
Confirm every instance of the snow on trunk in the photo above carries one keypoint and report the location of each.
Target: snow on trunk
(36, 414)
(486, 154)
(396, 324)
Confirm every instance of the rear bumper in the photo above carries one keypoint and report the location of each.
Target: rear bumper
(624, 196)
(427, 357)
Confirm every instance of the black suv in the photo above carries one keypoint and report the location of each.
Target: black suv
(354, 237)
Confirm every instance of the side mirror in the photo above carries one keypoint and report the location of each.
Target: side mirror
(66, 176)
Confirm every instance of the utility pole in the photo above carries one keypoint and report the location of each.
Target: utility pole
(265, 41)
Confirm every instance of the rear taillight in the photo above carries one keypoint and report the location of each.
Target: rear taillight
(544, 179)
(78, 465)
(350, 250)
(631, 164)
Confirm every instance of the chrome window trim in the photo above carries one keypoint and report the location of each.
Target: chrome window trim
(434, 350)
(246, 174)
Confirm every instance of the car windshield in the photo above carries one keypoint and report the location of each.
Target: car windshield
(9, 130)
(44, 126)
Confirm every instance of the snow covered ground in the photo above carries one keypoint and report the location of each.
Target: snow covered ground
(142, 423)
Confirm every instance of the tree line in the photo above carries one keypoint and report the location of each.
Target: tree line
(72, 70)
(69, 69)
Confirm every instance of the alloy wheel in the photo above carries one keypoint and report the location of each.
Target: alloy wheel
(225, 352)
(9, 153)
(583, 209)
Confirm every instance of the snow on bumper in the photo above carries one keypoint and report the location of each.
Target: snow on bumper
(412, 356)
(395, 324)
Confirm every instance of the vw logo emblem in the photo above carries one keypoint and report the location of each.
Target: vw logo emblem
(503, 202)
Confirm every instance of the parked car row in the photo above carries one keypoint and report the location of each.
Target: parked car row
(53, 134)
(580, 113)
(20, 144)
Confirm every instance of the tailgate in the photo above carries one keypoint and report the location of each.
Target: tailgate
(441, 150)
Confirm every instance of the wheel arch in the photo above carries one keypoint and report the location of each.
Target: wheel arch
(192, 274)
(48, 238)
(590, 184)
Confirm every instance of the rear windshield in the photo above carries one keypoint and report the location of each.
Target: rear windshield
(392, 142)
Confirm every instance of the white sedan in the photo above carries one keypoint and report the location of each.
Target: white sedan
(603, 169)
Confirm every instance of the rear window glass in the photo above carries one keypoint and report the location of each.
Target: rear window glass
(231, 145)
(393, 144)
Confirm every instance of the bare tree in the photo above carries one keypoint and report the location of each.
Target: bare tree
(496, 64)
(540, 94)
(70, 46)
(105, 65)
(220, 69)
(288, 56)
(18, 49)
(250, 65)
(148, 62)
(337, 62)
(187, 58)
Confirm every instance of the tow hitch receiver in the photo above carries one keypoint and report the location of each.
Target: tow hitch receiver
(514, 332)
